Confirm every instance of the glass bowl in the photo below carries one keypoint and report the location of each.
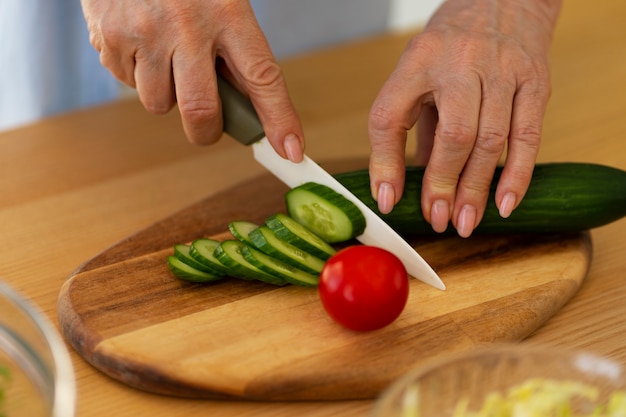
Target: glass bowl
(36, 373)
(479, 378)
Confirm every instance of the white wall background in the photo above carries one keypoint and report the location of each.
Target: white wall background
(410, 13)
(295, 26)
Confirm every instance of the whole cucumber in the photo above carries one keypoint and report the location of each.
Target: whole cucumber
(562, 197)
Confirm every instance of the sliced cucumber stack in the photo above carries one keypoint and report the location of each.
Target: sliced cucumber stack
(286, 249)
(229, 252)
(186, 268)
(289, 230)
(266, 241)
(182, 253)
(278, 268)
(189, 273)
(203, 251)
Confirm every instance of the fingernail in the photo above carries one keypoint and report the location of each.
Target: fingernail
(507, 205)
(293, 148)
(386, 197)
(440, 216)
(467, 218)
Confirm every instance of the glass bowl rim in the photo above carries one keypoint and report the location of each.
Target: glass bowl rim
(64, 396)
(590, 361)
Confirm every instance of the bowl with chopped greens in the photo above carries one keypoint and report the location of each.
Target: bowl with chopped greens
(36, 373)
(509, 381)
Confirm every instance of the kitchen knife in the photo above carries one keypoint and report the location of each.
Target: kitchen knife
(242, 123)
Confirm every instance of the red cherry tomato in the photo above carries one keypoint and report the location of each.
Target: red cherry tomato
(364, 287)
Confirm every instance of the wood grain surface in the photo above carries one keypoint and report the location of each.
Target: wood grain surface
(126, 314)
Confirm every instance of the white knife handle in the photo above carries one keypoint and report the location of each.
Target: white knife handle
(240, 119)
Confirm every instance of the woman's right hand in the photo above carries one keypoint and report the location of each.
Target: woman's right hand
(168, 50)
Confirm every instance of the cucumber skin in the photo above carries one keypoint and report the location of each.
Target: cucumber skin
(562, 197)
(182, 252)
(187, 272)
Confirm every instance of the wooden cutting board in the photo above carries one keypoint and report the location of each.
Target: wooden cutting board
(129, 317)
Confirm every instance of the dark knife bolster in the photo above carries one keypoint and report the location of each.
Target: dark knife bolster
(240, 118)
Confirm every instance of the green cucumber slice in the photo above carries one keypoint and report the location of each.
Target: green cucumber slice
(325, 212)
(183, 253)
(229, 253)
(289, 230)
(188, 273)
(281, 269)
(240, 230)
(267, 242)
(202, 250)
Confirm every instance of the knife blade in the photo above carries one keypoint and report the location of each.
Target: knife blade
(242, 123)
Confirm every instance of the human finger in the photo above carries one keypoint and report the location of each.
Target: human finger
(154, 82)
(493, 129)
(529, 107)
(458, 107)
(196, 93)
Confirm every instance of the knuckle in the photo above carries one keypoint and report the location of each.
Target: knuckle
(111, 62)
(95, 36)
(477, 186)
(540, 90)
(540, 68)
(158, 107)
(491, 140)
(441, 180)
(425, 44)
(264, 72)
(198, 110)
(442, 184)
(430, 43)
(117, 31)
(528, 134)
(456, 134)
(536, 82)
(107, 60)
(386, 130)
(380, 118)
(110, 32)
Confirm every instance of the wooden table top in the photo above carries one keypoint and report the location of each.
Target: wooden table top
(71, 186)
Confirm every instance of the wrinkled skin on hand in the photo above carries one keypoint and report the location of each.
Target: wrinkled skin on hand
(476, 82)
(167, 50)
